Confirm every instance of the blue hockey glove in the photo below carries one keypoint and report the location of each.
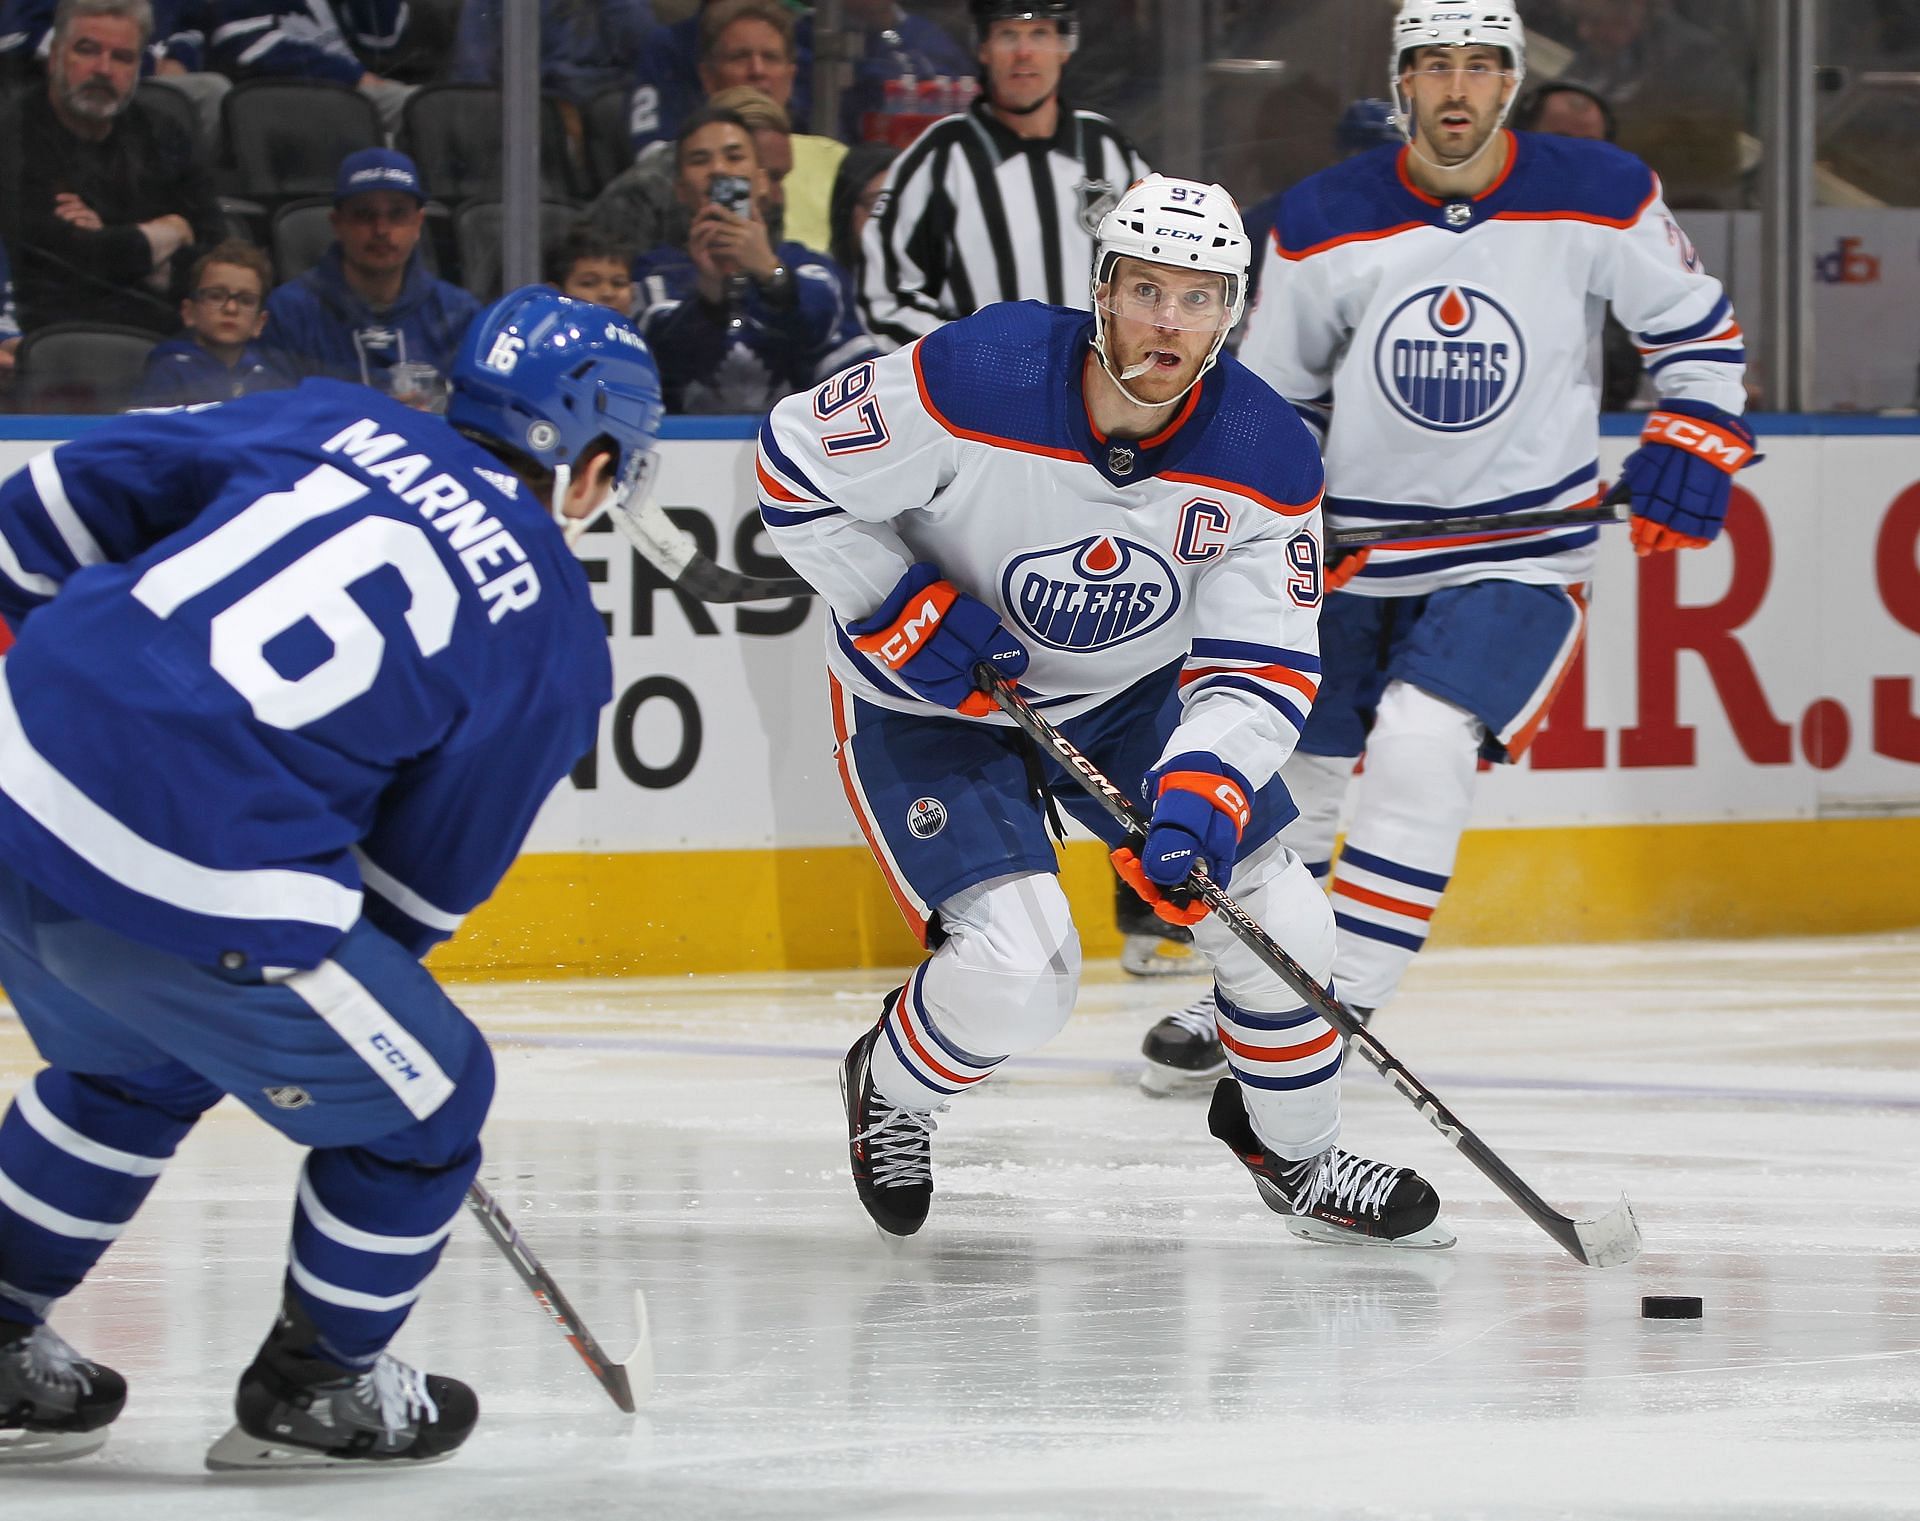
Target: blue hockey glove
(1201, 806)
(932, 635)
(1682, 474)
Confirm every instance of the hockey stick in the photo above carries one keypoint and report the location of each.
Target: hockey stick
(627, 1382)
(1613, 509)
(1607, 1241)
(672, 550)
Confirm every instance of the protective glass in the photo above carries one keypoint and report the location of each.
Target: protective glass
(1478, 72)
(1134, 296)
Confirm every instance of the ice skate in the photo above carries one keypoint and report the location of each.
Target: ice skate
(891, 1148)
(54, 1403)
(1335, 1197)
(296, 1411)
(1183, 1050)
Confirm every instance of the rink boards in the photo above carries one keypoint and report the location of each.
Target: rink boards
(1738, 753)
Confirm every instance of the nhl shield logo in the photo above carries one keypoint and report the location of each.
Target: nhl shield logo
(1450, 358)
(288, 1097)
(926, 818)
(1097, 198)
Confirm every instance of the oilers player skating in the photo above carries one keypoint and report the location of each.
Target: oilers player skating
(1108, 509)
(1434, 311)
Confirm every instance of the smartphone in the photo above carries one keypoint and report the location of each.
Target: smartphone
(732, 191)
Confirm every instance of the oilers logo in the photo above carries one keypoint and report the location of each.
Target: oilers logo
(926, 818)
(1091, 594)
(1450, 358)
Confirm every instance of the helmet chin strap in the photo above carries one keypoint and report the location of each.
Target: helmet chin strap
(572, 528)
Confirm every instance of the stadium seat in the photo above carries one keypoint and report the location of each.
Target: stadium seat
(170, 105)
(608, 143)
(477, 229)
(286, 137)
(453, 134)
(302, 231)
(81, 367)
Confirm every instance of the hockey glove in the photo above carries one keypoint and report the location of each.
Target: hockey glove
(1200, 808)
(1682, 474)
(932, 636)
(1343, 565)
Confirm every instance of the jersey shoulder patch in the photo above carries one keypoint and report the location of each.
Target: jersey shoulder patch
(1353, 198)
(1577, 178)
(1000, 374)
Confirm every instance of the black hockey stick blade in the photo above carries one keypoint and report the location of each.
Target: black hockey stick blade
(672, 551)
(628, 1382)
(1613, 509)
(1606, 1241)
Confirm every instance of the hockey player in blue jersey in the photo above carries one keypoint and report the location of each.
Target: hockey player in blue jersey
(1434, 312)
(292, 676)
(1104, 506)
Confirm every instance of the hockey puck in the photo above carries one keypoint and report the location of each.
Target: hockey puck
(1670, 1307)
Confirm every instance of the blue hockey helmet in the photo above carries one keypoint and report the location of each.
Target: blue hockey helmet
(547, 377)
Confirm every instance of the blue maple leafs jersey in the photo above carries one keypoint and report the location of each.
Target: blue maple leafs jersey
(281, 662)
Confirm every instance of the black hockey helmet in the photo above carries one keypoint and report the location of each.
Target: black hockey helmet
(1065, 14)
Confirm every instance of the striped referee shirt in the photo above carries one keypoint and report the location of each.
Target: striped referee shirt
(973, 214)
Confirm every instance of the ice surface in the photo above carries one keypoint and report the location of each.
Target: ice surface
(1101, 1320)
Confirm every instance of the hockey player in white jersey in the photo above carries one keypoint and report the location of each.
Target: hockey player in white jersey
(1105, 507)
(1434, 312)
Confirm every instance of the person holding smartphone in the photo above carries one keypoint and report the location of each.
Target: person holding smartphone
(736, 319)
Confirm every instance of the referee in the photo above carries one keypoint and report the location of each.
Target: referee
(998, 203)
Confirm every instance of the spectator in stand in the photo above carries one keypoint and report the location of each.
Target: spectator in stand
(642, 204)
(590, 267)
(722, 44)
(998, 203)
(216, 358)
(895, 46)
(369, 310)
(1565, 109)
(102, 203)
(1680, 104)
(586, 46)
(856, 190)
(9, 317)
(175, 53)
(313, 39)
(737, 320)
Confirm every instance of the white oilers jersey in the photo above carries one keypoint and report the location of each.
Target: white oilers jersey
(1450, 351)
(1108, 560)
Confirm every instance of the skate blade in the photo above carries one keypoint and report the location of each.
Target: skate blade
(19, 1446)
(1432, 1238)
(237, 1452)
(1158, 1081)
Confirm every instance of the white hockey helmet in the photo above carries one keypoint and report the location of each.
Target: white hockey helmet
(1182, 224)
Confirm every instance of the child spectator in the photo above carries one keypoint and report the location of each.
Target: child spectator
(216, 358)
(590, 267)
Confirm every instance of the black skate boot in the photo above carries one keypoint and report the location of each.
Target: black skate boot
(1334, 1197)
(297, 1411)
(1183, 1050)
(54, 1404)
(891, 1148)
